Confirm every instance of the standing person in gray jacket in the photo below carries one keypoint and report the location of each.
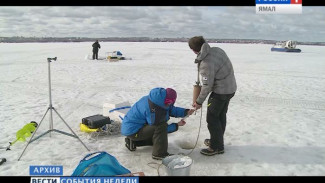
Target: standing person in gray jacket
(218, 79)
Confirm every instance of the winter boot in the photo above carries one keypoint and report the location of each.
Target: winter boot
(160, 157)
(211, 152)
(207, 142)
(130, 144)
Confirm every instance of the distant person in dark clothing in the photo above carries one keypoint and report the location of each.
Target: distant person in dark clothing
(96, 47)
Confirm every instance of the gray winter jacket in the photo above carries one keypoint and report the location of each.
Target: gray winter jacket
(216, 71)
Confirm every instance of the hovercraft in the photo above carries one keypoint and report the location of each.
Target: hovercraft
(286, 46)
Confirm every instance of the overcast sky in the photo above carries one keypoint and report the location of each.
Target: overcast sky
(230, 22)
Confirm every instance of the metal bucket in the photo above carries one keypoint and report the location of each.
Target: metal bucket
(177, 165)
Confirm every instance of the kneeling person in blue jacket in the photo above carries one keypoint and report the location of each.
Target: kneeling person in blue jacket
(145, 124)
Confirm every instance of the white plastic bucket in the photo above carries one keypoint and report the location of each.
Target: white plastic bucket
(177, 165)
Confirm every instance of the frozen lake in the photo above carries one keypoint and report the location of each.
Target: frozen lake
(275, 121)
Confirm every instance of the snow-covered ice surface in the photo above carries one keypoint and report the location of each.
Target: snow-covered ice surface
(275, 121)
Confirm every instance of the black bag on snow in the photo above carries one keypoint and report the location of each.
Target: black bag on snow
(96, 121)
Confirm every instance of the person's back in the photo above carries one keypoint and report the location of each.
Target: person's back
(96, 46)
(215, 63)
(225, 82)
(135, 117)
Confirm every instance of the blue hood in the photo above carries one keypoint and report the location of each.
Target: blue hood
(157, 96)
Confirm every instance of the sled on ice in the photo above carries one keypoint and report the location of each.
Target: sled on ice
(116, 56)
(113, 56)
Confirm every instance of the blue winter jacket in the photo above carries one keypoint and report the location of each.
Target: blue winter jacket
(144, 112)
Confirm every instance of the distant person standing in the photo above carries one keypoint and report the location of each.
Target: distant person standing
(96, 47)
(219, 81)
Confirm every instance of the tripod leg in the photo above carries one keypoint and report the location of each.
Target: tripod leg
(70, 128)
(30, 140)
(51, 120)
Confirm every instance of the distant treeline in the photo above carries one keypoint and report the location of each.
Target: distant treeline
(139, 39)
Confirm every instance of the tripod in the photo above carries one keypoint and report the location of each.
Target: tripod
(50, 108)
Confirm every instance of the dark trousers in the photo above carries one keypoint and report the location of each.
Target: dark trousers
(152, 135)
(95, 55)
(217, 118)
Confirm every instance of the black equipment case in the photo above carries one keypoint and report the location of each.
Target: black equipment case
(96, 121)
